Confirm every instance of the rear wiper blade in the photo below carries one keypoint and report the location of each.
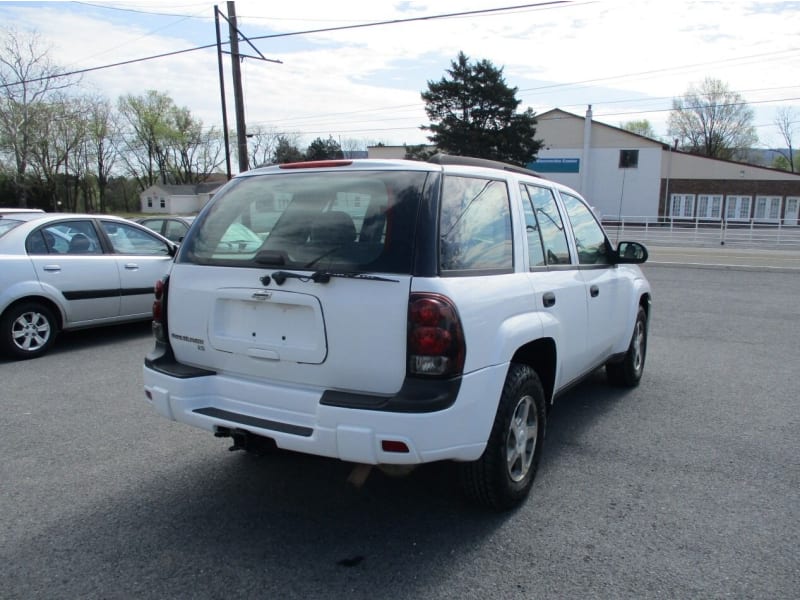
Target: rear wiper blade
(328, 274)
(279, 277)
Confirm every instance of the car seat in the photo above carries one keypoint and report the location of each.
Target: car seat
(334, 227)
(79, 244)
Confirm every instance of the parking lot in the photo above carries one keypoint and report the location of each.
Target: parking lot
(685, 487)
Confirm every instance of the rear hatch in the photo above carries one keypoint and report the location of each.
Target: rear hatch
(301, 276)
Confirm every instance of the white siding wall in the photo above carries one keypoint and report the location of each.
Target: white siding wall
(181, 205)
(613, 191)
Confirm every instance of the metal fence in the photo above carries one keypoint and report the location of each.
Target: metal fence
(666, 231)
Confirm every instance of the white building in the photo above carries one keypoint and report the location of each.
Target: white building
(623, 174)
(177, 199)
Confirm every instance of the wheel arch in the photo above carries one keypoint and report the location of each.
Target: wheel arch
(48, 302)
(540, 355)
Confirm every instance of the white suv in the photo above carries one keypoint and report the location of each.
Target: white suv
(395, 313)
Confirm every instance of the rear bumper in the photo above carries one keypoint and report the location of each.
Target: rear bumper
(302, 420)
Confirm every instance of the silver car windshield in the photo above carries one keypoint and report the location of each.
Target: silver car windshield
(353, 221)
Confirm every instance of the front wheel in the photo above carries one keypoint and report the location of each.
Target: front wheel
(27, 330)
(628, 371)
(502, 477)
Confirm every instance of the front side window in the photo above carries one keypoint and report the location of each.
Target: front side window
(589, 236)
(353, 221)
(126, 239)
(475, 225)
(551, 227)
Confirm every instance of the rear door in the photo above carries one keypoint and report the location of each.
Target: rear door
(301, 278)
(75, 265)
(559, 288)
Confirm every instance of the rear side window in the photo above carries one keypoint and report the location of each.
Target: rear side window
(475, 225)
(551, 227)
(66, 237)
(351, 221)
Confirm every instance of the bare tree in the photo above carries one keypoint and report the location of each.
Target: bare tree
(101, 151)
(28, 78)
(350, 147)
(786, 121)
(712, 120)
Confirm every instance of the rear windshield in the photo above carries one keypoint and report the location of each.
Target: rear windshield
(7, 225)
(353, 221)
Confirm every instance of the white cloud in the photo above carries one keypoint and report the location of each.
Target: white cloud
(365, 82)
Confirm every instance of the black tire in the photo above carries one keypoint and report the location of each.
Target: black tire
(27, 330)
(502, 477)
(628, 371)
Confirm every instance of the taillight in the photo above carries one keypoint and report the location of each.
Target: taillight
(159, 329)
(436, 345)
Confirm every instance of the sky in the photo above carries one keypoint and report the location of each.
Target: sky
(361, 85)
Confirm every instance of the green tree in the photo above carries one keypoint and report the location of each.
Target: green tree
(711, 120)
(640, 127)
(286, 151)
(321, 149)
(418, 152)
(162, 142)
(473, 113)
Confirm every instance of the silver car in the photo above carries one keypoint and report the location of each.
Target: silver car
(72, 271)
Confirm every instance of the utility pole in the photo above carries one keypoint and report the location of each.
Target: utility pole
(238, 97)
(236, 59)
(225, 132)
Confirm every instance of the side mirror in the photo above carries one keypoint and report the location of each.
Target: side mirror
(630, 253)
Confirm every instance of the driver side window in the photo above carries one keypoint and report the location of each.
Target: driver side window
(589, 236)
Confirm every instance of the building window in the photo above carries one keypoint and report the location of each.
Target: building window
(628, 159)
(768, 208)
(163, 203)
(709, 207)
(737, 208)
(682, 206)
(149, 202)
(792, 215)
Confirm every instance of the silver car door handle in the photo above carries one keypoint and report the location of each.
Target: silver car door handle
(131, 266)
(51, 268)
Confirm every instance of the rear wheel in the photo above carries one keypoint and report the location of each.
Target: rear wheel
(628, 371)
(27, 330)
(502, 477)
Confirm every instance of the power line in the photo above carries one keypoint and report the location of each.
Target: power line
(328, 29)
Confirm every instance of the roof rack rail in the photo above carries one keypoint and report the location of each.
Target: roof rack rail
(441, 158)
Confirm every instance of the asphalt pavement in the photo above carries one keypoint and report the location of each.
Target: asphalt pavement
(725, 257)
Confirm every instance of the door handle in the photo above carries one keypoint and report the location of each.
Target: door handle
(594, 291)
(131, 266)
(51, 268)
(548, 299)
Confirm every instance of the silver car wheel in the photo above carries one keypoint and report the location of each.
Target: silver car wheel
(521, 439)
(30, 331)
